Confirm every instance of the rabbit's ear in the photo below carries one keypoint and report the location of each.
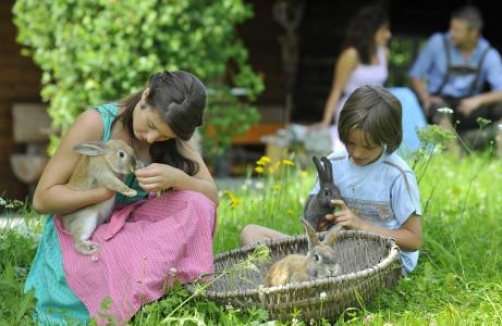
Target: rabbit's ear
(317, 163)
(321, 171)
(91, 148)
(332, 235)
(328, 168)
(312, 238)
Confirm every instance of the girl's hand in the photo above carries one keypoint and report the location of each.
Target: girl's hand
(158, 177)
(345, 216)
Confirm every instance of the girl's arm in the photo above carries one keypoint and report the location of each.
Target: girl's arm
(157, 177)
(51, 194)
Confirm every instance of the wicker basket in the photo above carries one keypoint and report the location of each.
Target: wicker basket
(368, 261)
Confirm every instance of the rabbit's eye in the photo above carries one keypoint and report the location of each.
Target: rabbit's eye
(121, 154)
(317, 257)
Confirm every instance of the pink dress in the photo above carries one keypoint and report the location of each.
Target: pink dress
(148, 243)
(143, 249)
(361, 76)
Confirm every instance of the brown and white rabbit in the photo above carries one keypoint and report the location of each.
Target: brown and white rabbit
(320, 260)
(99, 165)
(318, 205)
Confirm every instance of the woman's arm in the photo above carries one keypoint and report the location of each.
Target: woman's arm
(157, 177)
(52, 195)
(344, 66)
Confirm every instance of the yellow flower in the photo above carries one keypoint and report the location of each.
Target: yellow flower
(259, 169)
(234, 201)
(277, 187)
(288, 162)
(264, 160)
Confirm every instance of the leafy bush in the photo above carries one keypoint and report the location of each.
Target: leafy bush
(92, 51)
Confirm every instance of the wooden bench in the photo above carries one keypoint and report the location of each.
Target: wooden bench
(31, 124)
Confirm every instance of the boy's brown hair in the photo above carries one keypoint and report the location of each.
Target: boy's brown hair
(375, 111)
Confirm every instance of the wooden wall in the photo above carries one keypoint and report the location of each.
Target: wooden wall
(19, 82)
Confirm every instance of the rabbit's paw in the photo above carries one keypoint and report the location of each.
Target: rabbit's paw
(86, 247)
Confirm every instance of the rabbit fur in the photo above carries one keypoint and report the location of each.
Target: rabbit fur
(320, 260)
(318, 205)
(99, 165)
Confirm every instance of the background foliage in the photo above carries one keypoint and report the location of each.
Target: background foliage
(93, 51)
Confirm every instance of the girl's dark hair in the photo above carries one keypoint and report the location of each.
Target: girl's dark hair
(375, 111)
(180, 99)
(361, 31)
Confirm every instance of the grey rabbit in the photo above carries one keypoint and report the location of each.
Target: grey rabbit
(99, 165)
(320, 261)
(318, 205)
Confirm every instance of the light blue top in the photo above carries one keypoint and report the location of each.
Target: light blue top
(413, 119)
(432, 63)
(384, 193)
(56, 303)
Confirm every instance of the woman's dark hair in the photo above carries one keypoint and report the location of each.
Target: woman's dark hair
(180, 99)
(375, 111)
(361, 31)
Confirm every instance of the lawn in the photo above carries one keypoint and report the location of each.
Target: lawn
(457, 281)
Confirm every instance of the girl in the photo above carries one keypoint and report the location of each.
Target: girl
(150, 240)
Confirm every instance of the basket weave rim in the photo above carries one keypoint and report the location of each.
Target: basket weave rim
(386, 262)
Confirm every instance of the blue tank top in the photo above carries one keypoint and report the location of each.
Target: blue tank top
(56, 303)
(108, 113)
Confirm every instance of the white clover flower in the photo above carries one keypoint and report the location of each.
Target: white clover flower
(173, 271)
(323, 296)
(445, 110)
(499, 126)
(259, 185)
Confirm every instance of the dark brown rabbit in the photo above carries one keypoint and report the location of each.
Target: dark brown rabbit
(319, 205)
(99, 165)
(320, 261)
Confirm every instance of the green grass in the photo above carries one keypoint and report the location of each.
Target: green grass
(457, 281)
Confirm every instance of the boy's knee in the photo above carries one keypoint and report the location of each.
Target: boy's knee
(248, 234)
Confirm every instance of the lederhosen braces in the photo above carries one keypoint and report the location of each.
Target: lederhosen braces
(453, 69)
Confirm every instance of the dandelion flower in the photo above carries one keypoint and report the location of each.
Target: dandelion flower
(264, 160)
(234, 201)
(288, 162)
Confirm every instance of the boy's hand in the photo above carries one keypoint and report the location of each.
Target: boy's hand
(329, 219)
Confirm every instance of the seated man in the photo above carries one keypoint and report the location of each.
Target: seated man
(457, 65)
